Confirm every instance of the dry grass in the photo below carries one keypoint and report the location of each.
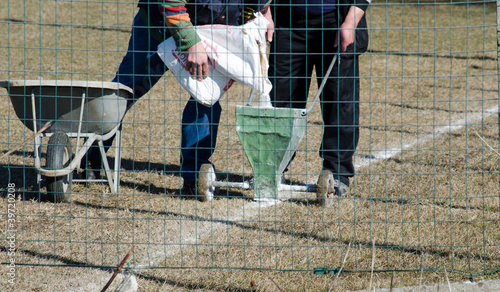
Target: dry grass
(432, 203)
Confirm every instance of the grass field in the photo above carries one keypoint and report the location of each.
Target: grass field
(425, 197)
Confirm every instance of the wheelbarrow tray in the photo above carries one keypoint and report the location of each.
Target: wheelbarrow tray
(61, 100)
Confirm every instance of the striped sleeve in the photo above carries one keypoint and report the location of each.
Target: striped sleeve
(179, 24)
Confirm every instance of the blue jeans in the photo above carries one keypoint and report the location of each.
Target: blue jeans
(199, 137)
(140, 69)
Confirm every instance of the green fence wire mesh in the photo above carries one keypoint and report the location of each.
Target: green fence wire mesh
(425, 197)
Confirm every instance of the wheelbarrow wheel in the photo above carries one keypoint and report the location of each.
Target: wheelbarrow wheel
(58, 157)
(205, 186)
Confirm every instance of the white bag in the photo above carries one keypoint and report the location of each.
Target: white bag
(235, 52)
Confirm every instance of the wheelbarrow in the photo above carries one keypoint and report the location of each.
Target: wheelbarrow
(270, 137)
(66, 109)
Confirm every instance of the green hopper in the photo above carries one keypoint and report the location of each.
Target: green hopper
(269, 137)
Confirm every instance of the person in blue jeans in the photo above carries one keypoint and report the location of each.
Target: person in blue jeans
(142, 67)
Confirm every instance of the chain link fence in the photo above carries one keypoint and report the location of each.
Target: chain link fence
(425, 197)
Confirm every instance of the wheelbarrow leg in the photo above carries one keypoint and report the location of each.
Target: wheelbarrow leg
(38, 160)
(107, 170)
(118, 158)
(38, 144)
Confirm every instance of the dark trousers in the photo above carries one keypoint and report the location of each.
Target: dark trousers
(303, 44)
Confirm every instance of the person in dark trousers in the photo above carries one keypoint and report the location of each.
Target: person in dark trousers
(308, 33)
(142, 67)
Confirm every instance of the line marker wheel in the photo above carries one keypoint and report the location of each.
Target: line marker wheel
(205, 186)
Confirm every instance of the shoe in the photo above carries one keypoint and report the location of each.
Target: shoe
(90, 171)
(188, 188)
(328, 188)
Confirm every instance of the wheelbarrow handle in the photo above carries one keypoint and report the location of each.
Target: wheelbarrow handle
(320, 89)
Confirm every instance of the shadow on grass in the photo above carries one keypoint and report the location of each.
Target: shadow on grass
(67, 262)
(25, 179)
(308, 236)
(190, 286)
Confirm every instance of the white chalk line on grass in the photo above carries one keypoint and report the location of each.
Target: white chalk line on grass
(250, 210)
(389, 153)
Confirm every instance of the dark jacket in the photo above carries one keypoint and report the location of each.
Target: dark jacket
(360, 45)
(202, 12)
